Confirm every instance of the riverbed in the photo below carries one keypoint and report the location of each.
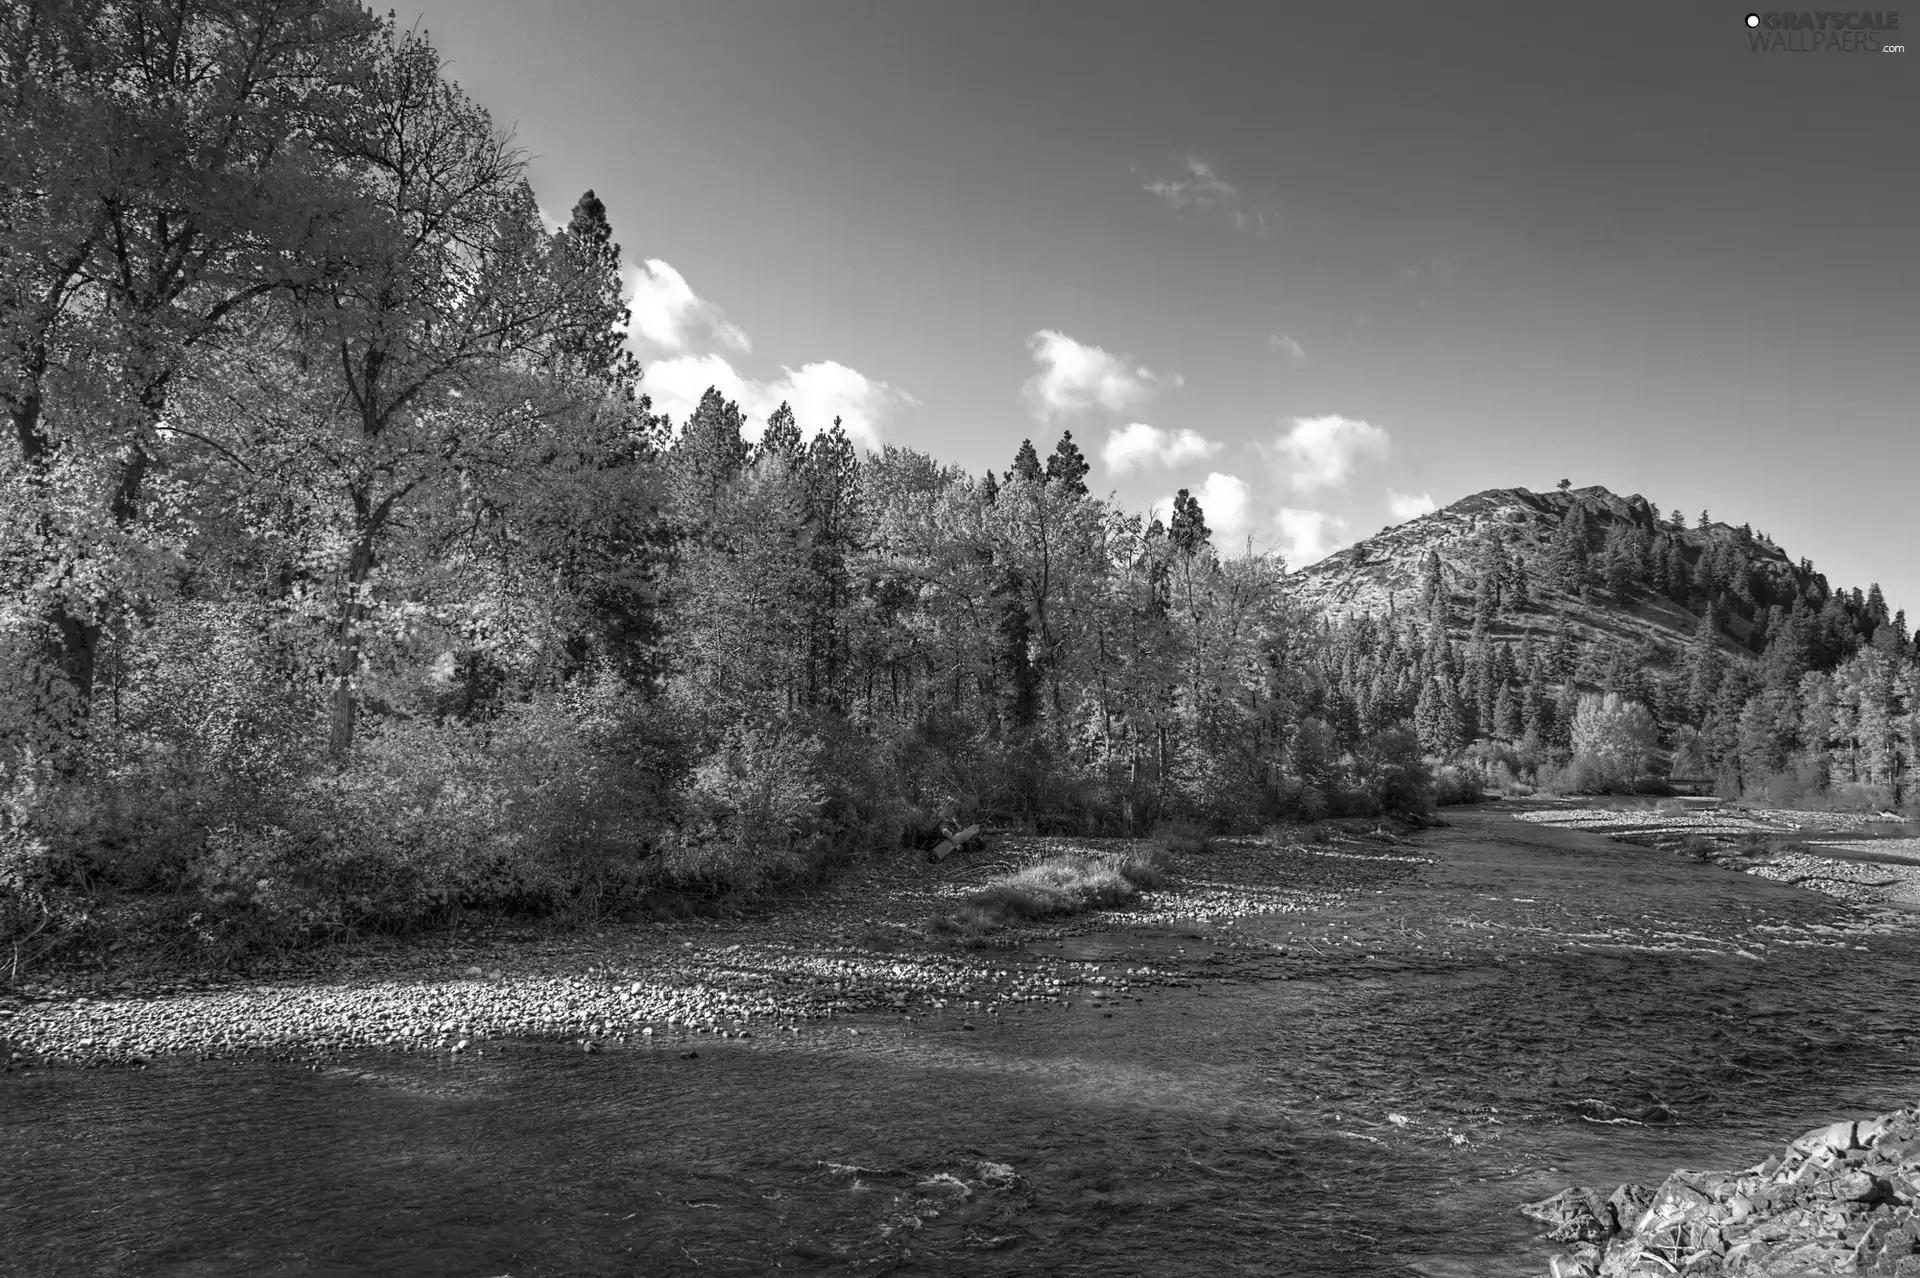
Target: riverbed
(1363, 1078)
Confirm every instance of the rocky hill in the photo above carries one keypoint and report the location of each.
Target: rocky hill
(1637, 602)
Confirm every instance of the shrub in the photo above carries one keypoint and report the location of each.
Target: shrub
(1056, 887)
(1392, 774)
(1454, 786)
(1698, 848)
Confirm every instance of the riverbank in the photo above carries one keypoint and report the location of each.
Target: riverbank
(859, 946)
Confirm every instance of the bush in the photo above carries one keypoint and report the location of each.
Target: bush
(1697, 847)
(1392, 775)
(1053, 888)
(1454, 786)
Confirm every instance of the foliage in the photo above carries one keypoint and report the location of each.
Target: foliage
(348, 580)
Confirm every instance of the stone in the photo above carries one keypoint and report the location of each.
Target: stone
(1844, 1198)
(1628, 1204)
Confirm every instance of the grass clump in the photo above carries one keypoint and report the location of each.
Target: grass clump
(1054, 888)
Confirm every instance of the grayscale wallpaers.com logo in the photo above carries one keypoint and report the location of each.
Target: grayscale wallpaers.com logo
(1824, 31)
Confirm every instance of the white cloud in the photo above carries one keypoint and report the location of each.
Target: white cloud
(1202, 189)
(1308, 536)
(1405, 506)
(1225, 503)
(1131, 447)
(1072, 377)
(665, 311)
(1323, 451)
(818, 392)
(1282, 342)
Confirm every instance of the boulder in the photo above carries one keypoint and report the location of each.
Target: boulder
(1844, 1198)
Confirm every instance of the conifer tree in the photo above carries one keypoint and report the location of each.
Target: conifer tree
(1436, 719)
(1561, 727)
(1189, 531)
(1026, 463)
(1067, 467)
(1520, 590)
(1506, 715)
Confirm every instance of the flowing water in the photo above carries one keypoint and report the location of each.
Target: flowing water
(1367, 1090)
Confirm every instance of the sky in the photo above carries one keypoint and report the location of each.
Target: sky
(1326, 266)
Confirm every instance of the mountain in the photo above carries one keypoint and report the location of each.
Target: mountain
(1602, 565)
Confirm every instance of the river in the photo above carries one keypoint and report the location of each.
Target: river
(1366, 1089)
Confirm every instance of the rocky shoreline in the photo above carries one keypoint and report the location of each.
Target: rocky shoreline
(1842, 1199)
(857, 949)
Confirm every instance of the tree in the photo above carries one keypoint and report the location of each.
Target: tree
(421, 364)
(1436, 718)
(1189, 530)
(151, 159)
(1026, 463)
(1564, 484)
(1615, 733)
(1067, 467)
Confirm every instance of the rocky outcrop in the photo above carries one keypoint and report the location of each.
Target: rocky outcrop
(1843, 1199)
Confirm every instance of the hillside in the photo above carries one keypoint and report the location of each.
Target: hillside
(1607, 588)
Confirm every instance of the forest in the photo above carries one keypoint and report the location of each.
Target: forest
(349, 581)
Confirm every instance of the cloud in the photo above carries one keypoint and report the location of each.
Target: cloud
(1405, 506)
(1308, 536)
(1203, 190)
(1323, 451)
(1072, 377)
(818, 391)
(1132, 447)
(665, 311)
(1281, 342)
(1225, 502)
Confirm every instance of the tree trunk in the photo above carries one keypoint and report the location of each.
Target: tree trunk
(346, 662)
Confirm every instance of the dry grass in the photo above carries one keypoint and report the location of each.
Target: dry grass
(1054, 888)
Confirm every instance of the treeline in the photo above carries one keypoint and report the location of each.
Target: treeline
(1786, 688)
(350, 580)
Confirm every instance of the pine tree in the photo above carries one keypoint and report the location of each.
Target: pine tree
(1520, 591)
(1567, 552)
(1067, 467)
(1876, 608)
(1536, 712)
(1679, 578)
(1436, 719)
(1564, 706)
(1488, 573)
(1506, 715)
(1189, 530)
(781, 438)
(1026, 464)
(1704, 669)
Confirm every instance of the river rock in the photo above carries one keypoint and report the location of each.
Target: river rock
(1844, 1198)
